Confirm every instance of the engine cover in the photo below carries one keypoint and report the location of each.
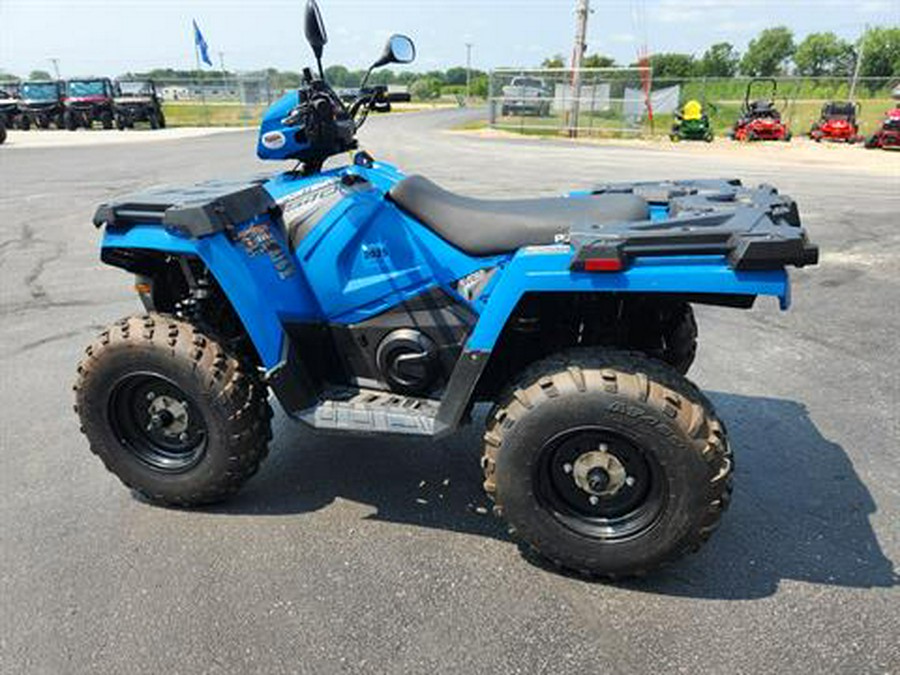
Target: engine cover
(408, 361)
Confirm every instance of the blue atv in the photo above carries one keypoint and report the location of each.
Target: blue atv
(370, 302)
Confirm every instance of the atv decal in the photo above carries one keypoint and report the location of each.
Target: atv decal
(257, 239)
(303, 210)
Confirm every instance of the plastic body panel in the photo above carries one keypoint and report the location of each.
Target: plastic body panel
(364, 256)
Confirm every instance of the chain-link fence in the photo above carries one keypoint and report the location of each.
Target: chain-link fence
(631, 102)
(229, 100)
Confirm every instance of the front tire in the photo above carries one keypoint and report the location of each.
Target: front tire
(170, 412)
(607, 464)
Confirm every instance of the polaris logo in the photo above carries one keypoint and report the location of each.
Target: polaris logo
(274, 140)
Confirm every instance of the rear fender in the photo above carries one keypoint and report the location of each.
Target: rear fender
(260, 293)
(546, 269)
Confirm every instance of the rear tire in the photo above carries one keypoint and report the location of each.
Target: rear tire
(70, 120)
(2, 132)
(664, 451)
(170, 413)
(106, 119)
(679, 337)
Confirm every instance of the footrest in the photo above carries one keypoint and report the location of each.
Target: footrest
(365, 410)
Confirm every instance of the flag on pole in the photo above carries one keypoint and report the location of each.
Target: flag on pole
(201, 45)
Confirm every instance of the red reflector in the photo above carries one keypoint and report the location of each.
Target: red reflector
(602, 265)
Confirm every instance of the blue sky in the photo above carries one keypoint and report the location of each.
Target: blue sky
(114, 36)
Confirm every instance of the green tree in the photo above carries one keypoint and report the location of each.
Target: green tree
(823, 54)
(768, 52)
(672, 66)
(436, 75)
(385, 76)
(425, 89)
(599, 61)
(555, 61)
(39, 75)
(339, 76)
(279, 80)
(881, 52)
(720, 60)
(480, 85)
(455, 76)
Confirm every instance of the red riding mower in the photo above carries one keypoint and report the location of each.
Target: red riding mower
(760, 120)
(888, 136)
(837, 123)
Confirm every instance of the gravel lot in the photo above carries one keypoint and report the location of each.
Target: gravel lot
(374, 556)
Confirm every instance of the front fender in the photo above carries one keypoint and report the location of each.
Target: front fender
(259, 293)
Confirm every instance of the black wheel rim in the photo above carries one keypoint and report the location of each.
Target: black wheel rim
(634, 506)
(157, 422)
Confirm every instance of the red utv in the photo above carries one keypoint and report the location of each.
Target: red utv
(837, 123)
(888, 136)
(760, 120)
(88, 101)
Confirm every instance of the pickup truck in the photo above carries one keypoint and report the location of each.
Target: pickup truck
(525, 96)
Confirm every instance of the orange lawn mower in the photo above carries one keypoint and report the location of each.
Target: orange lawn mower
(838, 122)
(888, 136)
(760, 120)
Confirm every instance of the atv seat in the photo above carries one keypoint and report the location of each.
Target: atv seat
(482, 227)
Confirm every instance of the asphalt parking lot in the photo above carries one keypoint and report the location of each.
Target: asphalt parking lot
(376, 556)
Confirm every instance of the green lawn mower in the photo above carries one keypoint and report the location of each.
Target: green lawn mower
(692, 124)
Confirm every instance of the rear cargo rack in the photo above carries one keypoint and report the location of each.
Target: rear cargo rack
(753, 228)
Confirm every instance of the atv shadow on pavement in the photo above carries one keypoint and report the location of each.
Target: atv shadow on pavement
(800, 511)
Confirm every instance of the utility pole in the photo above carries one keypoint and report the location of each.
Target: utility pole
(468, 70)
(582, 11)
(224, 78)
(55, 63)
(856, 67)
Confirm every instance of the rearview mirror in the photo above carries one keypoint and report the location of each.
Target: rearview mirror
(399, 49)
(315, 28)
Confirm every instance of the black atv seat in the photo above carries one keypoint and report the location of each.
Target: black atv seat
(490, 226)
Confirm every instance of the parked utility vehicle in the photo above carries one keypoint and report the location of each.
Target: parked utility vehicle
(137, 101)
(370, 302)
(89, 101)
(9, 106)
(760, 119)
(41, 104)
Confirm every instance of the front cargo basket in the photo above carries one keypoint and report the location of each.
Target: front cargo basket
(194, 211)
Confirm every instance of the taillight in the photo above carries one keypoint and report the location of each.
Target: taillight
(603, 265)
